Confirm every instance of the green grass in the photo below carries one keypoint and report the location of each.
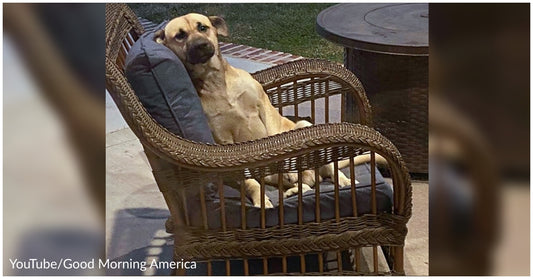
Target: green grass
(283, 27)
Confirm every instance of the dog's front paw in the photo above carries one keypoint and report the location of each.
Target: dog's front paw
(345, 181)
(294, 190)
(305, 188)
(268, 204)
(290, 192)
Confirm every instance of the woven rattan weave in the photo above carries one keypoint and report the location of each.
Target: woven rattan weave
(181, 166)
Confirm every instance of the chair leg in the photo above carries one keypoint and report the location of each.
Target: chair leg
(178, 271)
(387, 252)
(398, 260)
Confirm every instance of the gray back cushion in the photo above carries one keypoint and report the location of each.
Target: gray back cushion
(165, 89)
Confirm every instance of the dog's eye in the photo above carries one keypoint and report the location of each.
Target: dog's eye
(181, 35)
(202, 28)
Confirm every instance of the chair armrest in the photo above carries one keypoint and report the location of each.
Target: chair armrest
(325, 71)
(300, 149)
(260, 152)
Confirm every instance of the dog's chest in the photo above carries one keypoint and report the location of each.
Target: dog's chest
(234, 115)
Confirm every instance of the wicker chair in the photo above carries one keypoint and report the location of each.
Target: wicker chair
(181, 166)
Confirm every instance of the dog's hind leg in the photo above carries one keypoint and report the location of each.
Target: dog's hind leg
(302, 124)
(294, 190)
(325, 171)
(288, 179)
(329, 171)
(361, 159)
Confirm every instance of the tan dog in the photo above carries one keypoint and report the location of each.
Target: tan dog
(236, 106)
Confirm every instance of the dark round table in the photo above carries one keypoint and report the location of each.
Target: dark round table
(386, 47)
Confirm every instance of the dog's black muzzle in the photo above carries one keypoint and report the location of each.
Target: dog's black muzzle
(200, 51)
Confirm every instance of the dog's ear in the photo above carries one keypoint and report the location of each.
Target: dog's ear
(220, 24)
(159, 36)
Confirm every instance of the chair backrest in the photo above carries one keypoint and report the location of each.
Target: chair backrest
(122, 30)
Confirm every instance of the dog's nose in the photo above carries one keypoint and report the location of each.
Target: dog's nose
(200, 51)
(201, 46)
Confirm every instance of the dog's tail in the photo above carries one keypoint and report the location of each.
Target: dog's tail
(361, 159)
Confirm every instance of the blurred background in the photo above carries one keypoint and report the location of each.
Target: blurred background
(479, 113)
(479, 119)
(54, 134)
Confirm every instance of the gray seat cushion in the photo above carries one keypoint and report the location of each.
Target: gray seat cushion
(384, 196)
(165, 89)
